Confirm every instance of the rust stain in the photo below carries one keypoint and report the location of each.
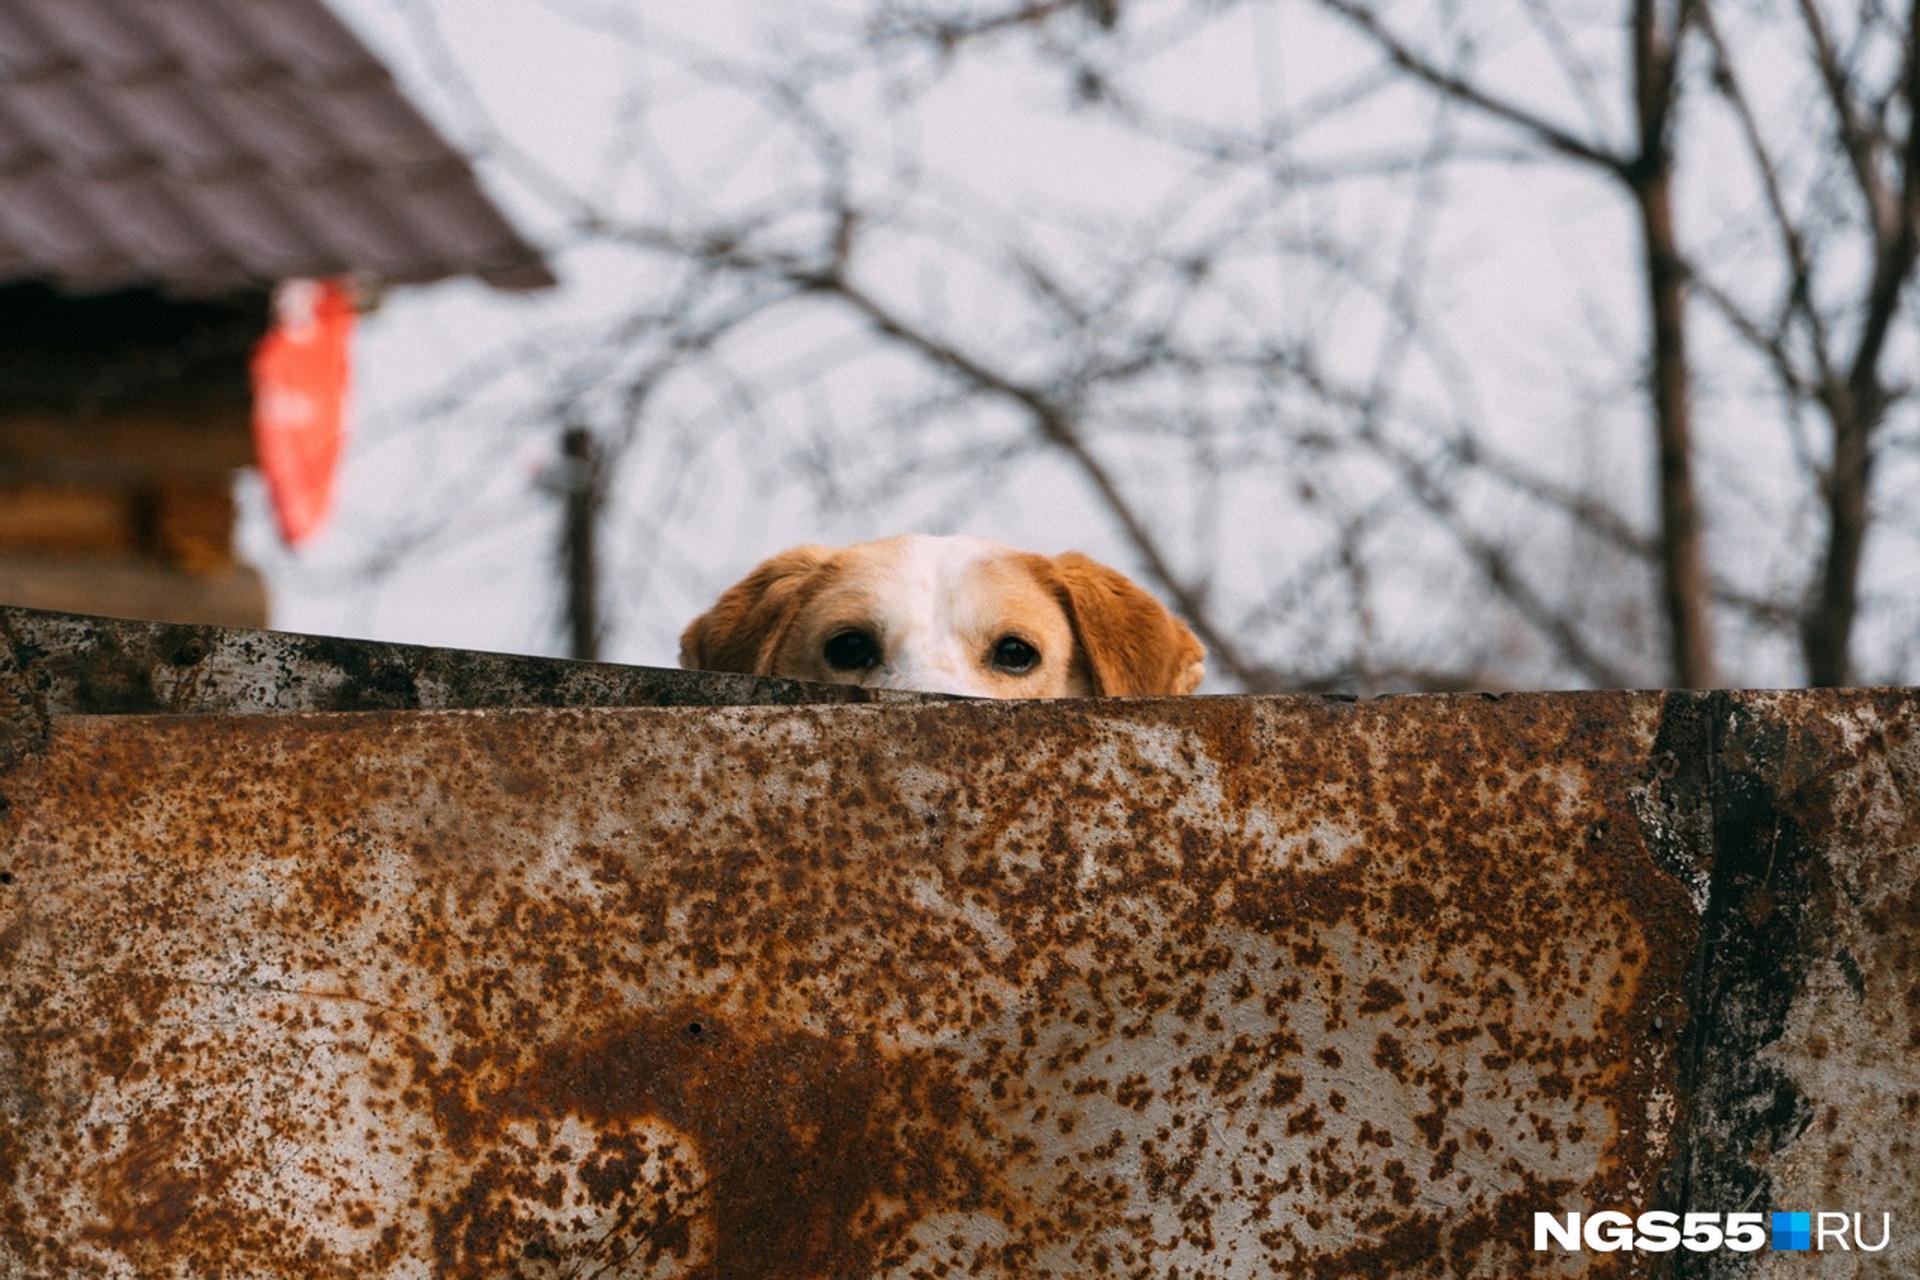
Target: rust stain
(814, 1154)
(147, 1195)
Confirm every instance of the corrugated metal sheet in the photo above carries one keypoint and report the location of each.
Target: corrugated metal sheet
(215, 145)
(1203, 987)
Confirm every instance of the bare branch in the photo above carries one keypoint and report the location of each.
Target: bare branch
(1799, 263)
(1855, 139)
(1857, 408)
(1545, 132)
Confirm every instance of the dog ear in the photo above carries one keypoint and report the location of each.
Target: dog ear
(1132, 645)
(744, 628)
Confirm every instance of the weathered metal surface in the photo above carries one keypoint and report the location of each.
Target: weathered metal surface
(1816, 805)
(75, 664)
(1208, 987)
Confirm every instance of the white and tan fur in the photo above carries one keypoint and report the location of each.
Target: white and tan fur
(947, 615)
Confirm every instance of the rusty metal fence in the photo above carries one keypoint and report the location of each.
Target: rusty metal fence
(334, 959)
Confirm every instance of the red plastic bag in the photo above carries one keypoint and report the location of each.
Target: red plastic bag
(299, 401)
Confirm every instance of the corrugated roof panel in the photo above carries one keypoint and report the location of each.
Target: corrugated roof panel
(279, 126)
(456, 226)
(19, 147)
(258, 227)
(41, 216)
(26, 50)
(168, 120)
(141, 216)
(111, 39)
(355, 220)
(373, 121)
(516, 272)
(68, 117)
(307, 39)
(213, 48)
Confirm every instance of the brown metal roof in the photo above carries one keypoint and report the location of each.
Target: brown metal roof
(205, 145)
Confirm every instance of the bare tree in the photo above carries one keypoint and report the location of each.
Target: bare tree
(1869, 126)
(1644, 169)
(1248, 360)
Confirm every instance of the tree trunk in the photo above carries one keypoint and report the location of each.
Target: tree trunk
(1829, 626)
(1682, 553)
(1683, 574)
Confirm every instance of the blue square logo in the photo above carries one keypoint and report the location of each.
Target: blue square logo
(1792, 1230)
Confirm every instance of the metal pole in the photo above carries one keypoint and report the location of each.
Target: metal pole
(578, 551)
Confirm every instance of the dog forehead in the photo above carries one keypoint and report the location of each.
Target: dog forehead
(973, 584)
(916, 586)
(938, 562)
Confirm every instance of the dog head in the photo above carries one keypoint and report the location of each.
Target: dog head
(947, 615)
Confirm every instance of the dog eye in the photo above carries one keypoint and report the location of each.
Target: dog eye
(1015, 656)
(852, 650)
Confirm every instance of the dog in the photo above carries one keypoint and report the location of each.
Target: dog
(947, 615)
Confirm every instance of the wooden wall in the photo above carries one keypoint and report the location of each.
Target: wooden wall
(123, 417)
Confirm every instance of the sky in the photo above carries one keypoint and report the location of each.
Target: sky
(447, 521)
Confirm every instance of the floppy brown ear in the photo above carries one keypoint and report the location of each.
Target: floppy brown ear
(1132, 645)
(742, 631)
